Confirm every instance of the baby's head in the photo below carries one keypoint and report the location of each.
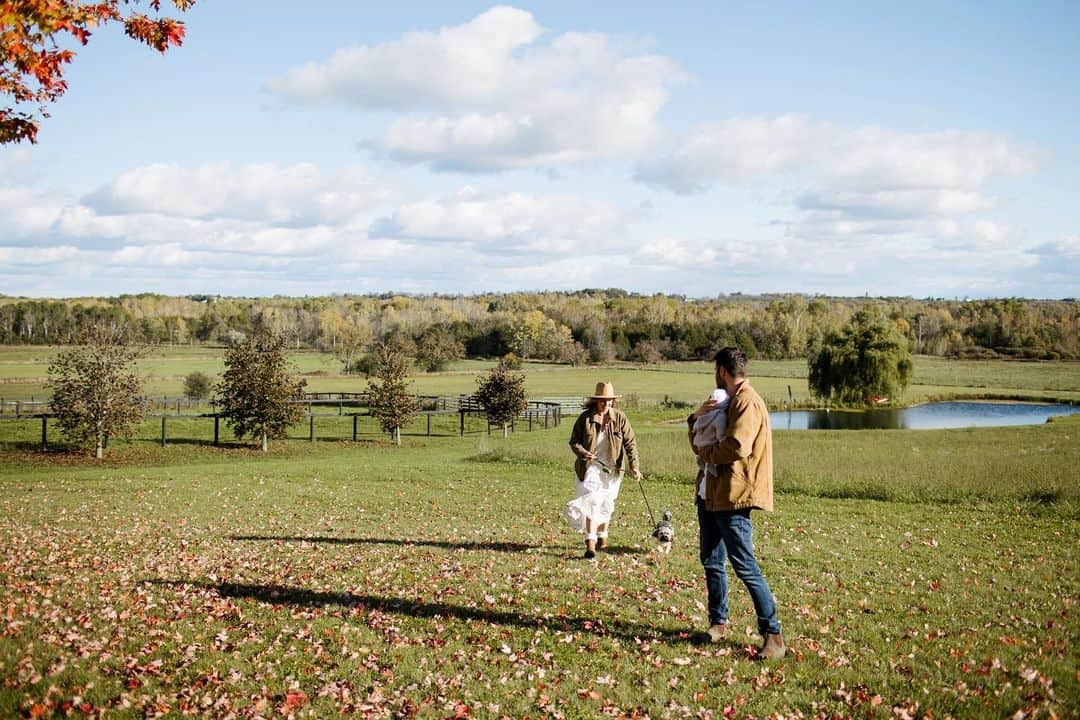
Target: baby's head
(718, 395)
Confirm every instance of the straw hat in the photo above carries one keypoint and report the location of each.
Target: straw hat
(604, 391)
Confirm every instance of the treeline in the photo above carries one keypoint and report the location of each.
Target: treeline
(587, 326)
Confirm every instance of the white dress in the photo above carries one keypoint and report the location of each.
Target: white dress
(595, 496)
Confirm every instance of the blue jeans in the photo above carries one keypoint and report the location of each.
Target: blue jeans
(729, 535)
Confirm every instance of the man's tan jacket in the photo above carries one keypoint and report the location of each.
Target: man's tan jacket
(744, 476)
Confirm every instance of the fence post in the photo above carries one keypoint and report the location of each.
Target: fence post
(429, 424)
(44, 430)
(311, 422)
(163, 416)
(462, 414)
(355, 417)
(18, 408)
(217, 418)
(530, 420)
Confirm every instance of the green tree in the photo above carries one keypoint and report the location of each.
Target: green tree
(866, 359)
(258, 392)
(198, 385)
(437, 347)
(501, 393)
(389, 398)
(96, 391)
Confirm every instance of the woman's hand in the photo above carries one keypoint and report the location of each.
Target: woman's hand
(590, 456)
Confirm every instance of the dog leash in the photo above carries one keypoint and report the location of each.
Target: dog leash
(647, 506)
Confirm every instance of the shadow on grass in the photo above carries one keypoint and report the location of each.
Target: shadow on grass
(1042, 497)
(286, 595)
(496, 546)
(620, 550)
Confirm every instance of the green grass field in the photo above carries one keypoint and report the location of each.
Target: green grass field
(23, 374)
(918, 573)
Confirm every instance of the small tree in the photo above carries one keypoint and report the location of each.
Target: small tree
(197, 385)
(257, 393)
(437, 348)
(391, 404)
(864, 360)
(96, 391)
(501, 393)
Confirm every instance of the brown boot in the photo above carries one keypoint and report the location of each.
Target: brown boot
(590, 549)
(601, 542)
(774, 647)
(716, 632)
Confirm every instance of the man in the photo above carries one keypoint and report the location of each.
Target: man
(737, 479)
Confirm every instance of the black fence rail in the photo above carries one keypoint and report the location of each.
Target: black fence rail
(537, 415)
(164, 404)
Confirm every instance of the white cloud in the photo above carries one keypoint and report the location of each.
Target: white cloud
(900, 204)
(508, 223)
(1060, 260)
(456, 66)
(676, 253)
(37, 255)
(867, 185)
(744, 149)
(295, 195)
(492, 98)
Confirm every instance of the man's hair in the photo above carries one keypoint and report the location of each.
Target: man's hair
(733, 360)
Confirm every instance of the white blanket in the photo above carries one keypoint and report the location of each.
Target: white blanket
(709, 429)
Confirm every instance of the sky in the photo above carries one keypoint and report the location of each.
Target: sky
(923, 149)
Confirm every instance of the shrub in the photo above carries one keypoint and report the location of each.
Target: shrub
(197, 385)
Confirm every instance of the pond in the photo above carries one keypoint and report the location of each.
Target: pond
(931, 416)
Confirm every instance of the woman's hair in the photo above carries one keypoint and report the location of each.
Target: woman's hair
(590, 403)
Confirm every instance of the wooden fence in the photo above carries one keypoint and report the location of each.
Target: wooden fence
(538, 413)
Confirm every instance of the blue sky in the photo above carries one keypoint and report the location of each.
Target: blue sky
(923, 149)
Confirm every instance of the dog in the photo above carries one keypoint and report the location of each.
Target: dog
(664, 533)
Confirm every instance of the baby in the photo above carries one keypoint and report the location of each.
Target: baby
(709, 429)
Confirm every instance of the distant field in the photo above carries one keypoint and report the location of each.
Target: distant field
(23, 375)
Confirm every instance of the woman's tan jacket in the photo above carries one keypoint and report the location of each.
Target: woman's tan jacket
(620, 437)
(744, 457)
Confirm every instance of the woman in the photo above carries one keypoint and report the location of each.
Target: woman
(604, 444)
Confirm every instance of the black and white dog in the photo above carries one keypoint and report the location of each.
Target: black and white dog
(664, 533)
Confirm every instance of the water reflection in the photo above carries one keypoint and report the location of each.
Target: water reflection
(923, 417)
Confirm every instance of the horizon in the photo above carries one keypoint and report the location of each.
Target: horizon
(470, 148)
(203, 297)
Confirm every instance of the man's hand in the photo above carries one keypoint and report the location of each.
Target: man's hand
(590, 456)
(706, 407)
(637, 474)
